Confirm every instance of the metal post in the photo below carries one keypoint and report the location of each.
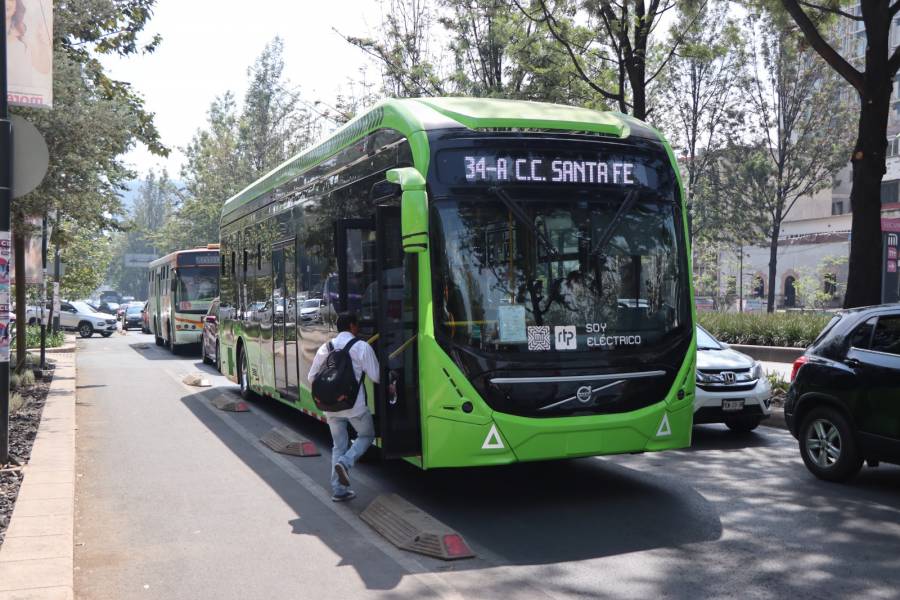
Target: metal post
(56, 267)
(741, 283)
(5, 196)
(43, 292)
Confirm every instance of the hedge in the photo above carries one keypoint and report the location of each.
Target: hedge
(791, 329)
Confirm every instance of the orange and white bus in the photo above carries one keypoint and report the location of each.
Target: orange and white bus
(182, 286)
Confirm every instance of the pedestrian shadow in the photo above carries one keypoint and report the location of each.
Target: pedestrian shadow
(526, 514)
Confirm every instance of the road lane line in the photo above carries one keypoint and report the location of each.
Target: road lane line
(434, 582)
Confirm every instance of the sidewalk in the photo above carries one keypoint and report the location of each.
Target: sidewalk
(36, 557)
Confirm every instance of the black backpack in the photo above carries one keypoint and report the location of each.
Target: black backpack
(336, 387)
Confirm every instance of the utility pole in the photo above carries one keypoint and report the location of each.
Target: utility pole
(5, 197)
(741, 282)
(43, 293)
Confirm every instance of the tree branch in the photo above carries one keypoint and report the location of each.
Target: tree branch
(834, 11)
(815, 39)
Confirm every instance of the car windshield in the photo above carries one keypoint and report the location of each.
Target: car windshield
(134, 310)
(705, 341)
(601, 278)
(311, 303)
(84, 308)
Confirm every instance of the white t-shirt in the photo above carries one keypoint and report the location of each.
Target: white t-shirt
(363, 357)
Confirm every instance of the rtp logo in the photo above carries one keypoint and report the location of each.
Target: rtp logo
(566, 337)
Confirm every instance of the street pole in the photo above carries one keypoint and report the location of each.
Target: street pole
(56, 268)
(43, 292)
(5, 197)
(741, 282)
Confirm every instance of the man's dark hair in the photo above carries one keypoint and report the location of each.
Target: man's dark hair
(345, 320)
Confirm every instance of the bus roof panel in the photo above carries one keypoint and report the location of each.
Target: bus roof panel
(411, 116)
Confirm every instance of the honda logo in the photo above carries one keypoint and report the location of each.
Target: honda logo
(728, 377)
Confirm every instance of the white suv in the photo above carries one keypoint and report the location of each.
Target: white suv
(731, 387)
(79, 316)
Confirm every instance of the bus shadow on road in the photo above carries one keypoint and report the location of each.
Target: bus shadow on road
(150, 351)
(526, 514)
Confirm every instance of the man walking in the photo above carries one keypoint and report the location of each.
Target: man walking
(343, 455)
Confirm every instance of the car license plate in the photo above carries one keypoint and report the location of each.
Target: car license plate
(733, 405)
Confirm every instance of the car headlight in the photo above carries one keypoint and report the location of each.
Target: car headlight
(100, 323)
(703, 377)
(758, 371)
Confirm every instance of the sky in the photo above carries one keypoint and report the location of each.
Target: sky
(207, 46)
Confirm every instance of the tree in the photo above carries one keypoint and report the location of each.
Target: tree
(410, 66)
(798, 142)
(610, 44)
(94, 121)
(151, 211)
(86, 256)
(214, 171)
(874, 87)
(702, 106)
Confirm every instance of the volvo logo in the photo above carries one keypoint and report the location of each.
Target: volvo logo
(584, 394)
(728, 377)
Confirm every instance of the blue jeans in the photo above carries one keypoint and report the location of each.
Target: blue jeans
(365, 435)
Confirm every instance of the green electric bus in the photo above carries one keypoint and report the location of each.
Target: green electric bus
(521, 269)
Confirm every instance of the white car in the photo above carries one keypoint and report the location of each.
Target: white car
(309, 309)
(79, 316)
(732, 388)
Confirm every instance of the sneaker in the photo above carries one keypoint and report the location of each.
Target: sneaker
(348, 495)
(342, 474)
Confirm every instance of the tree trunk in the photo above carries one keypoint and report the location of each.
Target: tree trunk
(865, 265)
(21, 318)
(773, 267)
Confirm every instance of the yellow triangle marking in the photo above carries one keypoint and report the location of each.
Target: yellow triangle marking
(493, 441)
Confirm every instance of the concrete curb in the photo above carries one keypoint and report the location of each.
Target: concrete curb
(37, 557)
(769, 353)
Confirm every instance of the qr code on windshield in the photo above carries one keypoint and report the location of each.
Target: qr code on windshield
(539, 338)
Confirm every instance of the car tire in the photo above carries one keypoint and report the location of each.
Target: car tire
(206, 359)
(85, 329)
(742, 424)
(828, 445)
(218, 359)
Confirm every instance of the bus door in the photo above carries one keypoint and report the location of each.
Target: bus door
(377, 281)
(397, 398)
(284, 326)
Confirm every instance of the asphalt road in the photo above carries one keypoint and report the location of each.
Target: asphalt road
(176, 500)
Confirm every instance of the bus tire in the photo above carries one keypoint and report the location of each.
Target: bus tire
(244, 374)
(172, 347)
(159, 340)
(85, 329)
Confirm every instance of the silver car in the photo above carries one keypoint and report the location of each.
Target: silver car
(732, 388)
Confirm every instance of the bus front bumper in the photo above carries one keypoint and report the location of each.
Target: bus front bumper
(505, 438)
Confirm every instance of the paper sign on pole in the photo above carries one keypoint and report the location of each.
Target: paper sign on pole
(29, 53)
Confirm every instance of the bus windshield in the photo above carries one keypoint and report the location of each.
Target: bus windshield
(573, 270)
(197, 287)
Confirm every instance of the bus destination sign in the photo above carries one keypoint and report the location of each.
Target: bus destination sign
(204, 259)
(490, 169)
(484, 166)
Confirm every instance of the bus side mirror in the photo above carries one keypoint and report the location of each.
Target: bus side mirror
(413, 208)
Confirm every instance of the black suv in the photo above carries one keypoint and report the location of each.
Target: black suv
(844, 401)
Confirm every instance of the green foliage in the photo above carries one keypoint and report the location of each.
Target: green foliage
(792, 329)
(86, 255)
(33, 337)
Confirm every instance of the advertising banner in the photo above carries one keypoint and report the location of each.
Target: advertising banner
(5, 255)
(29, 52)
(890, 291)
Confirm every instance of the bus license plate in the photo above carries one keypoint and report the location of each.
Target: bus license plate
(733, 405)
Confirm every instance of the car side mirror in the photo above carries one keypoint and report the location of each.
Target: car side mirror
(413, 208)
(211, 318)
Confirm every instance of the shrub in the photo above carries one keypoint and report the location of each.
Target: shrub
(790, 329)
(33, 337)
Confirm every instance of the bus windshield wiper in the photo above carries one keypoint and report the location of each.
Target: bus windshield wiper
(630, 198)
(522, 217)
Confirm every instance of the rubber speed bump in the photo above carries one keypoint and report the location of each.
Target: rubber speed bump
(285, 441)
(410, 528)
(230, 403)
(196, 379)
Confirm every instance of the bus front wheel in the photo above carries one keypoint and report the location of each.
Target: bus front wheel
(243, 375)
